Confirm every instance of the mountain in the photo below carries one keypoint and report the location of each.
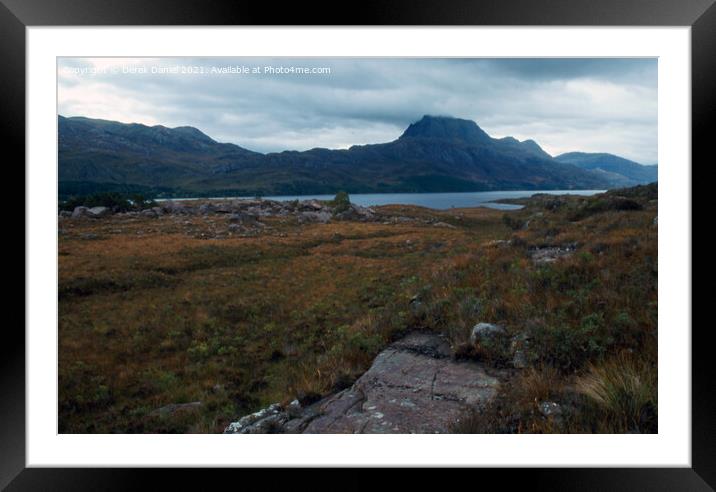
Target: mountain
(434, 154)
(618, 171)
(107, 154)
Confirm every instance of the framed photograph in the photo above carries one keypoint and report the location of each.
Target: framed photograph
(447, 236)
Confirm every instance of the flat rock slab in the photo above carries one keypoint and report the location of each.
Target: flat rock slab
(413, 386)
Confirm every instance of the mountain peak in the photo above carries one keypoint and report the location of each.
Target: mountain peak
(192, 132)
(529, 146)
(446, 128)
(532, 146)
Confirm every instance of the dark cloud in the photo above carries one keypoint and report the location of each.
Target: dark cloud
(607, 105)
(611, 69)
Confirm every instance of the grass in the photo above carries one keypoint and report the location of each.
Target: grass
(517, 407)
(624, 390)
(590, 318)
(152, 313)
(155, 312)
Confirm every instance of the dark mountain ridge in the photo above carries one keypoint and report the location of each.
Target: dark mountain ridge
(434, 154)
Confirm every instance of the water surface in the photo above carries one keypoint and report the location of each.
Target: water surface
(440, 201)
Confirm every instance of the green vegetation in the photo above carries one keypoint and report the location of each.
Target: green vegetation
(341, 202)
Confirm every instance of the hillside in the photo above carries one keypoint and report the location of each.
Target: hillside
(618, 171)
(435, 154)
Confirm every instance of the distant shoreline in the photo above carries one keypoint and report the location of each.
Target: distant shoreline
(434, 200)
(309, 196)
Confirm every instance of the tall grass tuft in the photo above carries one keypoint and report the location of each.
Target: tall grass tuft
(625, 390)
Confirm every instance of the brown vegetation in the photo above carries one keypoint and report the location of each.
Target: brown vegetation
(154, 312)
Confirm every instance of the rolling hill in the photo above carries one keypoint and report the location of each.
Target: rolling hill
(618, 171)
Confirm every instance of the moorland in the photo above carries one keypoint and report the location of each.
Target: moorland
(183, 316)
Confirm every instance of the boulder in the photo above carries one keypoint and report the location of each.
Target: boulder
(150, 213)
(175, 208)
(65, 213)
(243, 218)
(320, 217)
(356, 212)
(310, 206)
(79, 212)
(206, 209)
(482, 331)
(98, 212)
(264, 210)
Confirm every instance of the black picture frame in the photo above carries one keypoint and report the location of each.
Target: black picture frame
(16, 15)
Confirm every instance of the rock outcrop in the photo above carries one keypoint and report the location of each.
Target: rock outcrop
(414, 386)
(551, 253)
(246, 212)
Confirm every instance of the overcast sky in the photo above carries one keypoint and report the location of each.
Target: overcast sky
(591, 105)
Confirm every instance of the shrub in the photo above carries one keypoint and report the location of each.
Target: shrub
(511, 222)
(569, 347)
(341, 202)
(604, 203)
